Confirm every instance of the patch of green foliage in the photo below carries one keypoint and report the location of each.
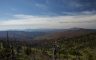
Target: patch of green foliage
(77, 48)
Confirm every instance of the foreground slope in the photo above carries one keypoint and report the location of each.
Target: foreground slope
(81, 46)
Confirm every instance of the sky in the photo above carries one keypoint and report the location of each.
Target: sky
(47, 14)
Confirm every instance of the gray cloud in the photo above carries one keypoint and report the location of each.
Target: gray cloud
(29, 21)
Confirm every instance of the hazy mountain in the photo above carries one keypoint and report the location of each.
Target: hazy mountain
(67, 33)
(41, 34)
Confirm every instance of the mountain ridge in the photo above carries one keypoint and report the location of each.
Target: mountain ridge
(45, 34)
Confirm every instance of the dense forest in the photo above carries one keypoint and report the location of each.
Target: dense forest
(76, 48)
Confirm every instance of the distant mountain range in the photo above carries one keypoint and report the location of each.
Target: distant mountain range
(66, 33)
(43, 34)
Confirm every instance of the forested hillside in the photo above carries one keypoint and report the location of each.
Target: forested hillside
(75, 48)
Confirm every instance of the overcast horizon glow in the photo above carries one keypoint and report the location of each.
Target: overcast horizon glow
(47, 14)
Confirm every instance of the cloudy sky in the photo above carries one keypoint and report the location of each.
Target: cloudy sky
(44, 14)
